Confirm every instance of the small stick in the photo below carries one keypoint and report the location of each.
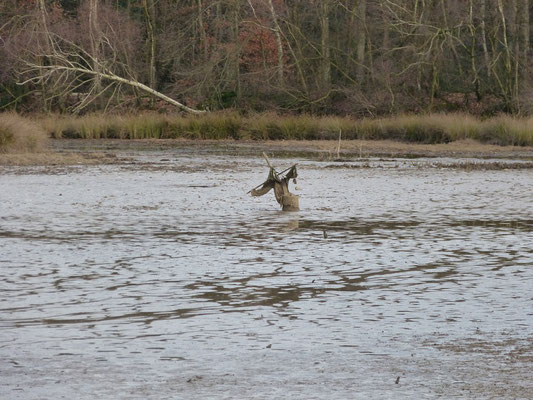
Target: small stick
(268, 161)
(286, 169)
(270, 165)
(339, 145)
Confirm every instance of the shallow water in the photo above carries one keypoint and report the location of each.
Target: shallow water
(163, 279)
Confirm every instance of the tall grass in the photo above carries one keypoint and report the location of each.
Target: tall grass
(433, 128)
(144, 126)
(20, 135)
(508, 130)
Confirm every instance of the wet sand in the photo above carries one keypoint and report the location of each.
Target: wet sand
(158, 277)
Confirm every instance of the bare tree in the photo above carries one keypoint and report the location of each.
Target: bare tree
(340, 56)
(149, 13)
(325, 70)
(523, 22)
(361, 39)
(483, 17)
(279, 43)
(70, 67)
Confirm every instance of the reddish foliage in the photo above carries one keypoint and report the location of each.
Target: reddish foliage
(259, 48)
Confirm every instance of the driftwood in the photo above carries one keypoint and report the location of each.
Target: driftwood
(280, 183)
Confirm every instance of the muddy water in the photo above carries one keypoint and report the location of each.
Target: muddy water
(162, 279)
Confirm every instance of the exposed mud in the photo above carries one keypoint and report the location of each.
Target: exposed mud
(52, 159)
(316, 149)
(65, 152)
(158, 277)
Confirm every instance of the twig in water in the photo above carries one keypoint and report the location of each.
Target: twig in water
(339, 145)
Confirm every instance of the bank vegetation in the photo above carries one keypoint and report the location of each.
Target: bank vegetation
(429, 129)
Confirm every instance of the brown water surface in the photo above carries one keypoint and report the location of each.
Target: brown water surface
(163, 279)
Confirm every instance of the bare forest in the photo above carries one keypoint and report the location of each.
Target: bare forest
(343, 57)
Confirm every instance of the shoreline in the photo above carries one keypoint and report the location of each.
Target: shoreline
(315, 149)
(107, 151)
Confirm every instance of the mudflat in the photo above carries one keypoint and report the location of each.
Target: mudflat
(156, 275)
(104, 151)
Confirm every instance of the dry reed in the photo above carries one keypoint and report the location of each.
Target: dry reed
(20, 135)
(431, 128)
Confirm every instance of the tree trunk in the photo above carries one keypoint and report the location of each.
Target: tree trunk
(297, 55)
(523, 22)
(325, 73)
(385, 60)
(95, 38)
(95, 34)
(47, 46)
(237, 53)
(203, 37)
(486, 57)
(508, 78)
(279, 43)
(361, 40)
(473, 51)
(450, 40)
(149, 14)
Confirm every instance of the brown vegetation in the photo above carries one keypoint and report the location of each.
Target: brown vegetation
(429, 129)
(23, 140)
(20, 135)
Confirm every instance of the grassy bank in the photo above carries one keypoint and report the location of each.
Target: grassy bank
(23, 141)
(20, 135)
(435, 128)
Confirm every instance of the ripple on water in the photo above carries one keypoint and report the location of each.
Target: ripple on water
(166, 277)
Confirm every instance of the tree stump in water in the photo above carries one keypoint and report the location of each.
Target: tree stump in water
(290, 202)
(280, 183)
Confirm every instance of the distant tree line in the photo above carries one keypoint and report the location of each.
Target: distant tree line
(353, 57)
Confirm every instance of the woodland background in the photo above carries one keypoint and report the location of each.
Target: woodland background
(342, 57)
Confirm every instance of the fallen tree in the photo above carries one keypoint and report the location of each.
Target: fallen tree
(61, 68)
(43, 73)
